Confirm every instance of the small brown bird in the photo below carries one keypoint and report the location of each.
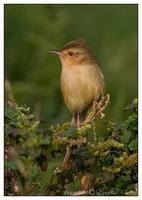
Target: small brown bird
(82, 81)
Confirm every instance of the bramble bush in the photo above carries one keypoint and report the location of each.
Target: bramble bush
(92, 165)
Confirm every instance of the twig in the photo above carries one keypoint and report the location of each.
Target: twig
(71, 142)
(67, 160)
(97, 109)
(79, 141)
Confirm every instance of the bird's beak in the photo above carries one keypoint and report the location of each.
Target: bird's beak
(55, 52)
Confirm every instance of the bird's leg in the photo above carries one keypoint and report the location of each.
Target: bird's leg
(78, 121)
(74, 120)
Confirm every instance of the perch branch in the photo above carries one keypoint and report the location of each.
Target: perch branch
(97, 108)
(70, 143)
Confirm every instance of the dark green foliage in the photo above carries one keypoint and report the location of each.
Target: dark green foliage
(30, 147)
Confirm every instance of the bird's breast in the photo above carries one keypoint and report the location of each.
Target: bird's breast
(80, 85)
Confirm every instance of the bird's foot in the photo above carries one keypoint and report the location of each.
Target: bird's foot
(75, 122)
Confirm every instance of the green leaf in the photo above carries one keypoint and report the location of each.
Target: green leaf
(10, 164)
(125, 136)
(45, 141)
(10, 112)
(133, 145)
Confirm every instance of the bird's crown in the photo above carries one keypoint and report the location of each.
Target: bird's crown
(79, 43)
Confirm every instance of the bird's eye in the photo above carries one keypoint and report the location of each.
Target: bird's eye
(70, 53)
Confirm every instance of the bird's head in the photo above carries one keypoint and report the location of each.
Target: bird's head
(74, 53)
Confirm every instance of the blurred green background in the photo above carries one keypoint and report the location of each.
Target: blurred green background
(32, 30)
